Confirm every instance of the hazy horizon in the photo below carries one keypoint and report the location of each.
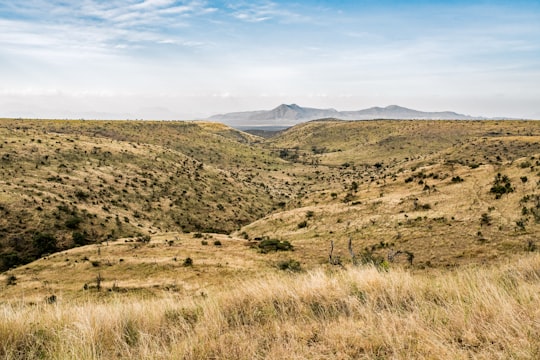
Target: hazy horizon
(166, 59)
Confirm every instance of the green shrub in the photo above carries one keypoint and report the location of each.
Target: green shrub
(80, 238)
(269, 245)
(525, 164)
(289, 265)
(73, 222)
(501, 186)
(44, 243)
(302, 224)
(485, 219)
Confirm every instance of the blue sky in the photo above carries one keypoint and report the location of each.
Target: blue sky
(166, 59)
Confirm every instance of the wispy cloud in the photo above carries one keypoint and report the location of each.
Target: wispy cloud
(258, 11)
(99, 25)
(240, 47)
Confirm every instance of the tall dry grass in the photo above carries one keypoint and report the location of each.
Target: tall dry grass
(480, 313)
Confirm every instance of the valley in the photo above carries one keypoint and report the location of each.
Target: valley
(177, 214)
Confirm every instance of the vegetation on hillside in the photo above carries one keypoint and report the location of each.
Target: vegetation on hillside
(388, 185)
(381, 239)
(80, 182)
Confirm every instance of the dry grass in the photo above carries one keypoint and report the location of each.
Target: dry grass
(442, 226)
(475, 312)
(118, 179)
(232, 302)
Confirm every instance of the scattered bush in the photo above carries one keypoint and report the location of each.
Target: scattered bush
(81, 195)
(217, 243)
(525, 164)
(73, 222)
(44, 243)
(11, 280)
(269, 245)
(188, 262)
(80, 238)
(501, 186)
(144, 239)
(485, 219)
(289, 265)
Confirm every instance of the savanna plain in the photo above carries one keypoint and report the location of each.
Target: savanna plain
(383, 239)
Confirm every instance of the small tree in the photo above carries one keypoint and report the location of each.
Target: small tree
(501, 186)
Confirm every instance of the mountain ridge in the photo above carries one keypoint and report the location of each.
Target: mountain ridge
(292, 114)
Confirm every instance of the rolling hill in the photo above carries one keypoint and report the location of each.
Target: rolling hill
(349, 239)
(66, 183)
(386, 185)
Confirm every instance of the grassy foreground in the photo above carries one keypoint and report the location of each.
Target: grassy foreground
(476, 312)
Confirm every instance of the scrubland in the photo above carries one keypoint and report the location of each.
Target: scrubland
(333, 239)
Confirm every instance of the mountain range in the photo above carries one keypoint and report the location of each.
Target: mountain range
(288, 115)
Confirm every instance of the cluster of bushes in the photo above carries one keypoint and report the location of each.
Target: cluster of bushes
(289, 265)
(501, 186)
(268, 245)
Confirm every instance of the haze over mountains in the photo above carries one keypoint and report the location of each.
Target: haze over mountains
(288, 115)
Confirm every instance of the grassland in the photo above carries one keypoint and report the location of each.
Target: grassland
(481, 313)
(149, 240)
(86, 182)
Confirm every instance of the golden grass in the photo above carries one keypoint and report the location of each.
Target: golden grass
(475, 312)
(446, 232)
(233, 302)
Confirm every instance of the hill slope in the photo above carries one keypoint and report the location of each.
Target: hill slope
(65, 183)
(420, 187)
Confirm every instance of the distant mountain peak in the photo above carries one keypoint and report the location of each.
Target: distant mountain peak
(292, 114)
(294, 106)
(396, 107)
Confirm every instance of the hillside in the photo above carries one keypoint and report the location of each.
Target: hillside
(66, 183)
(360, 239)
(386, 185)
(431, 189)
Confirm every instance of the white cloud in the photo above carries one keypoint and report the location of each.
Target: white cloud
(158, 50)
(258, 11)
(147, 4)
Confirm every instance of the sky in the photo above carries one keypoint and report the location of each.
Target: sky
(167, 59)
